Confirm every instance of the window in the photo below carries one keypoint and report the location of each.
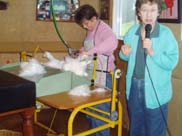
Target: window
(123, 16)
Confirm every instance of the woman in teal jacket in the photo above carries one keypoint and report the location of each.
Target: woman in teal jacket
(151, 61)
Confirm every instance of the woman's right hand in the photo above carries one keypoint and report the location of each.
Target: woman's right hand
(126, 50)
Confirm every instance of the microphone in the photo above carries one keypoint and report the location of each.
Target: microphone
(148, 29)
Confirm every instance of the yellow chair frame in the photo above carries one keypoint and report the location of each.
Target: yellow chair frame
(64, 101)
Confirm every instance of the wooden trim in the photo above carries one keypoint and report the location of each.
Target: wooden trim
(16, 47)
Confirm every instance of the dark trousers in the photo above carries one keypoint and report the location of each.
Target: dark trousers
(145, 121)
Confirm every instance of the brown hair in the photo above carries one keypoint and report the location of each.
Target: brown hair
(139, 3)
(85, 12)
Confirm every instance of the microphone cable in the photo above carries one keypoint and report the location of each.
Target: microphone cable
(165, 121)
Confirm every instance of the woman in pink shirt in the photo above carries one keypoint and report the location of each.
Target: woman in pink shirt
(101, 40)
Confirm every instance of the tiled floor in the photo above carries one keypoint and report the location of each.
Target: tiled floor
(13, 122)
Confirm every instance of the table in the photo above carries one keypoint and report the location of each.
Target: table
(65, 101)
(17, 95)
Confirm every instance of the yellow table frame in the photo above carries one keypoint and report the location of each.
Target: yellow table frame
(65, 101)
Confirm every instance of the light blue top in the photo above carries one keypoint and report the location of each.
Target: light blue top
(160, 64)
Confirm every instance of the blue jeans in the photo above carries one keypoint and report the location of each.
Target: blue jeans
(145, 121)
(105, 107)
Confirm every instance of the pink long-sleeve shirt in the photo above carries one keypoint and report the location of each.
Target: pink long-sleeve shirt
(105, 42)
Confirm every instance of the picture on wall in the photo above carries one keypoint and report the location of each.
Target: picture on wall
(63, 9)
(171, 11)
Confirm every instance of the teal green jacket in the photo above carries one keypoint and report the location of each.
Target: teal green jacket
(160, 65)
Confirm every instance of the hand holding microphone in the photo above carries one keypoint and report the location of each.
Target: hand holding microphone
(147, 42)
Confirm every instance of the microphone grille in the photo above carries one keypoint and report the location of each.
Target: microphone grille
(148, 27)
